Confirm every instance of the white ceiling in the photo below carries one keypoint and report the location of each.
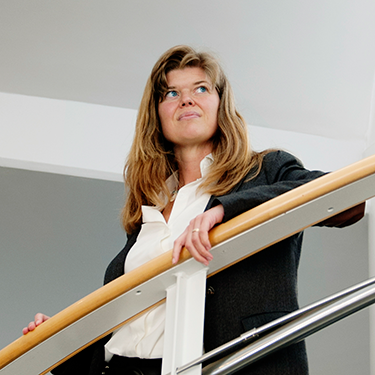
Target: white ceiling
(297, 65)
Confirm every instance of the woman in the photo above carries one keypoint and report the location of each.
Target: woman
(191, 162)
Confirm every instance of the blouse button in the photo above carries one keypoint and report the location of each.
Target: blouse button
(210, 290)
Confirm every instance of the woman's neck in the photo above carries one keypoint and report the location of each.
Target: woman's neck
(189, 160)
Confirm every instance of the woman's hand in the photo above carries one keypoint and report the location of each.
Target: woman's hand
(345, 218)
(195, 237)
(39, 319)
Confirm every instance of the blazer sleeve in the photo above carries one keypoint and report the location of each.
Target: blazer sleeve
(280, 173)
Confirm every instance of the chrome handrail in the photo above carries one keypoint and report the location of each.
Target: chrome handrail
(295, 331)
(288, 329)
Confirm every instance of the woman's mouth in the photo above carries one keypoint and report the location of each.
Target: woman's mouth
(188, 115)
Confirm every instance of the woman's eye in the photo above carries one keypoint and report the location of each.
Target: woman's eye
(201, 89)
(171, 94)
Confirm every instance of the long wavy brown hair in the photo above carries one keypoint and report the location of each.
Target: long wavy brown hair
(151, 159)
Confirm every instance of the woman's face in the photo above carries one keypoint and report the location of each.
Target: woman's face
(189, 109)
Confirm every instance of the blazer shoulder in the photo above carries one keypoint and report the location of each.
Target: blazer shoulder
(280, 157)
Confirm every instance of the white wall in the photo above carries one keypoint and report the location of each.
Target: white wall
(316, 152)
(64, 136)
(92, 140)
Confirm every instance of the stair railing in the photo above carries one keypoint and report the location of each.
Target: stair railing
(114, 304)
(291, 328)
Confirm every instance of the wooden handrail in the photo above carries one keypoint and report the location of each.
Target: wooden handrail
(250, 219)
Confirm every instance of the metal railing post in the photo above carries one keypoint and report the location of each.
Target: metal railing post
(183, 337)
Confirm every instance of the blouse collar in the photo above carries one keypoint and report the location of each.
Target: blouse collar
(206, 162)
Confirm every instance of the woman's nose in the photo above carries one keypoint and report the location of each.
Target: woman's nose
(186, 100)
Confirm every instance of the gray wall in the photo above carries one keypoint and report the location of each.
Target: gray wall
(332, 260)
(58, 233)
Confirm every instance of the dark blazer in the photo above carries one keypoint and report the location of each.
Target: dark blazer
(250, 293)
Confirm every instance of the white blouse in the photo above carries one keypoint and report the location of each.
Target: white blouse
(144, 337)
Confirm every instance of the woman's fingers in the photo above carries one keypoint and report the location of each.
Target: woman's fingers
(38, 319)
(177, 247)
(192, 245)
(195, 237)
(198, 242)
